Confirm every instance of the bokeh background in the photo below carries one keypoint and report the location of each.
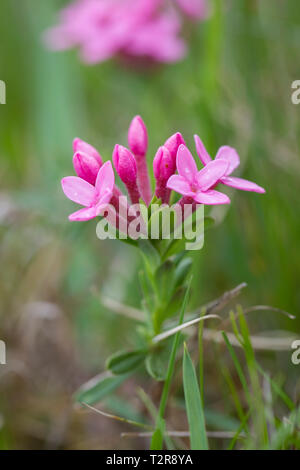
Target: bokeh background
(233, 88)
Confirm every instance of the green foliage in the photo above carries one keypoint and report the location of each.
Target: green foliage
(97, 391)
(125, 361)
(157, 360)
(157, 438)
(194, 406)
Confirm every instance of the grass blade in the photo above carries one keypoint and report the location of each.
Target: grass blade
(194, 407)
(237, 366)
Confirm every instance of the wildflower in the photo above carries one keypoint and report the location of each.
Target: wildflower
(172, 144)
(196, 184)
(229, 155)
(163, 167)
(131, 28)
(126, 168)
(138, 144)
(93, 198)
(86, 166)
(82, 146)
(105, 28)
(95, 184)
(196, 9)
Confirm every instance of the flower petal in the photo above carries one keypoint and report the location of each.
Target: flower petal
(211, 174)
(186, 164)
(201, 151)
(240, 183)
(172, 144)
(180, 185)
(231, 156)
(78, 190)
(104, 200)
(83, 215)
(86, 166)
(105, 179)
(211, 197)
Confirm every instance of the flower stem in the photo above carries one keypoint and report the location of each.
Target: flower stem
(144, 180)
(170, 371)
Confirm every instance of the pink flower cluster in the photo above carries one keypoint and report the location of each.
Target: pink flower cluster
(135, 28)
(94, 186)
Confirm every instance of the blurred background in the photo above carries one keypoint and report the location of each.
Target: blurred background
(234, 88)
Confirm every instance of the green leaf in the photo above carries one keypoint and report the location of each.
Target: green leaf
(194, 407)
(238, 367)
(150, 255)
(157, 361)
(182, 271)
(164, 279)
(158, 435)
(125, 361)
(175, 303)
(96, 392)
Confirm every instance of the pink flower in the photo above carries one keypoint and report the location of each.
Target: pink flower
(82, 146)
(229, 155)
(125, 166)
(172, 144)
(138, 137)
(94, 187)
(194, 8)
(138, 144)
(105, 28)
(93, 198)
(86, 166)
(163, 167)
(197, 184)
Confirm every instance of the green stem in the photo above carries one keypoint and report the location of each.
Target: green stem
(170, 371)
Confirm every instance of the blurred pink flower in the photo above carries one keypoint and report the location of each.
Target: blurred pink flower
(93, 198)
(229, 155)
(194, 8)
(104, 28)
(197, 184)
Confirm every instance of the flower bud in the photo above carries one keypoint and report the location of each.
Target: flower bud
(125, 164)
(138, 137)
(173, 144)
(82, 146)
(86, 166)
(163, 164)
